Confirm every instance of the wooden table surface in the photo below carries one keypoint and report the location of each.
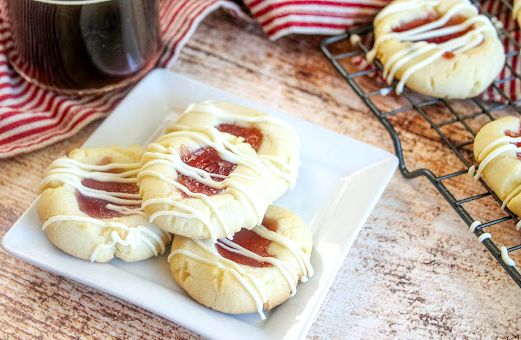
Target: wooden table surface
(414, 271)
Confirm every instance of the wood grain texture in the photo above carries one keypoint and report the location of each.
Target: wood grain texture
(414, 271)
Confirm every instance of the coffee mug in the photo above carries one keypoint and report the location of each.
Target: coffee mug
(83, 46)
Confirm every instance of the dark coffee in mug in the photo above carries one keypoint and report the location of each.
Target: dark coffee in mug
(83, 46)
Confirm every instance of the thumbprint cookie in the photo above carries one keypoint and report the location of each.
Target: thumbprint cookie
(216, 171)
(91, 209)
(497, 150)
(275, 142)
(440, 48)
(257, 270)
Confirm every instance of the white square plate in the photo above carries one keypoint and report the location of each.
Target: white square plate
(339, 184)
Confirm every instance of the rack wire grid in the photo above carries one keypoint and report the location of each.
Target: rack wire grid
(347, 56)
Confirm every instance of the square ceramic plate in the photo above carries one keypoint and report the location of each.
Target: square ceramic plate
(339, 184)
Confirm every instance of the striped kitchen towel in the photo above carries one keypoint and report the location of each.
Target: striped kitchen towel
(282, 17)
(508, 85)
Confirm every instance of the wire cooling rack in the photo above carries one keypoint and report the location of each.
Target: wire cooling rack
(442, 120)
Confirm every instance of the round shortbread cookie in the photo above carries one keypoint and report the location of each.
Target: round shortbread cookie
(199, 182)
(411, 42)
(227, 277)
(496, 153)
(275, 141)
(90, 206)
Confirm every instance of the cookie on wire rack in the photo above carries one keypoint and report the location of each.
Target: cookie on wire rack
(440, 48)
(216, 170)
(90, 207)
(497, 150)
(258, 270)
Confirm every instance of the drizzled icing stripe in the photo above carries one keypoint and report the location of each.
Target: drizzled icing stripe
(402, 58)
(113, 197)
(483, 237)
(302, 259)
(133, 236)
(506, 258)
(494, 154)
(212, 107)
(492, 151)
(290, 166)
(474, 225)
(281, 267)
(248, 197)
(72, 172)
(248, 281)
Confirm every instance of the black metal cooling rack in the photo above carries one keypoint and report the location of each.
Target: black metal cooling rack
(346, 54)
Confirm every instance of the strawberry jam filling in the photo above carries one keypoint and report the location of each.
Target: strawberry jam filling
(456, 20)
(251, 135)
(97, 208)
(515, 134)
(207, 159)
(251, 241)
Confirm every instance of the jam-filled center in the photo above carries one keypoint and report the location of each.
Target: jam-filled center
(207, 159)
(455, 20)
(514, 134)
(97, 208)
(251, 241)
(251, 135)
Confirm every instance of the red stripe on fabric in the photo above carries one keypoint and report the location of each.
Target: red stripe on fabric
(15, 83)
(34, 91)
(304, 24)
(38, 130)
(303, 15)
(185, 30)
(67, 130)
(174, 16)
(184, 19)
(26, 87)
(60, 110)
(271, 7)
(65, 115)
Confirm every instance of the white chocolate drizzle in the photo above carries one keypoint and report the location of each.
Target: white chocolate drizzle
(354, 39)
(251, 200)
(426, 52)
(474, 225)
(247, 280)
(483, 237)
(506, 258)
(492, 151)
(71, 172)
(289, 170)
(302, 259)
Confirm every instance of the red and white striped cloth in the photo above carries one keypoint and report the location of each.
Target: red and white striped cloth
(282, 17)
(32, 118)
(510, 81)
